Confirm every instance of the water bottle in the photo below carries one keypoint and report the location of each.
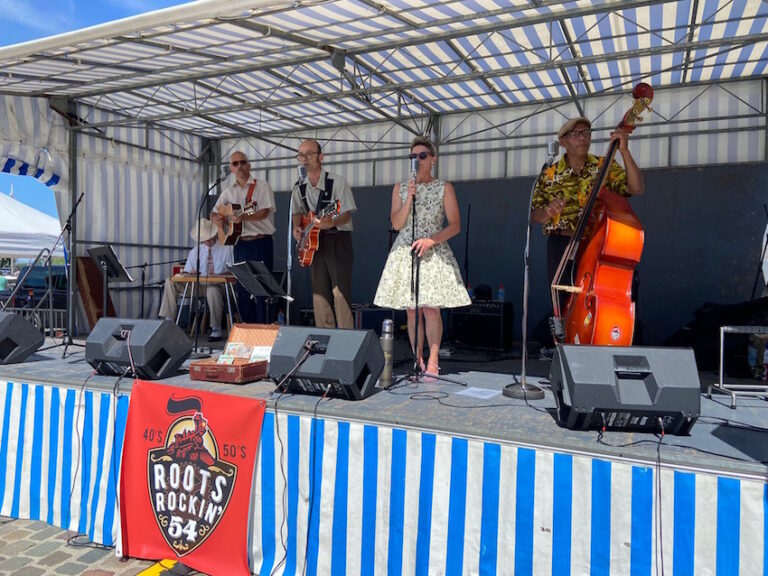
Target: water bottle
(387, 340)
(281, 317)
(501, 296)
(470, 292)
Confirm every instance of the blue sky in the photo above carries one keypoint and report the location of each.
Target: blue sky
(24, 20)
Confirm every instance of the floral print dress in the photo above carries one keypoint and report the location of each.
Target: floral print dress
(440, 283)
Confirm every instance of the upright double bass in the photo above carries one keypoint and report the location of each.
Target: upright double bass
(603, 253)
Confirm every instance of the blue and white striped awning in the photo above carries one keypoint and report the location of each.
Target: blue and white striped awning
(21, 168)
(269, 67)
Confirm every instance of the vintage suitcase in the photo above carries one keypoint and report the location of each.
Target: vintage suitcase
(241, 370)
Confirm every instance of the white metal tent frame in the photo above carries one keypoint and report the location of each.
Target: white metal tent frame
(267, 69)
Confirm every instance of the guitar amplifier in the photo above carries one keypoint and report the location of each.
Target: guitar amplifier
(485, 324)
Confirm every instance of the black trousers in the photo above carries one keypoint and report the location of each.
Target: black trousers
(261, 249)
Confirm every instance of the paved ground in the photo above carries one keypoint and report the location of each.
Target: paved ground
(32, 548)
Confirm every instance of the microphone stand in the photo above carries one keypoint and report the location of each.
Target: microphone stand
(466, 249)
(762, 258)
(195, 288)
(67, 341)
(144, 276)
(415, 267)
(417, 373)
(522, 390)
(289, 250)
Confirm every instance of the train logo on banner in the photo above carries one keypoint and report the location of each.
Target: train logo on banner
(189, 486)
(187, 467)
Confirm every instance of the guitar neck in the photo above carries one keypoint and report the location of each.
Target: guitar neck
(313, 223)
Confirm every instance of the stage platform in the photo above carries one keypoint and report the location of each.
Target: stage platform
(421, 478)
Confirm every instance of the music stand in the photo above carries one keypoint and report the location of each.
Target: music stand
(256, 278)
(110, 267)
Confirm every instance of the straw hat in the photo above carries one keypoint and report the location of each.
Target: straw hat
(571, 124)
(207, 230)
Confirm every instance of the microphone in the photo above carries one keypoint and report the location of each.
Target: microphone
(302, 170)
(414, 168)
(553, 149)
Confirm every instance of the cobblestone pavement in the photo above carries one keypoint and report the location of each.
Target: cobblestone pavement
(33, 548)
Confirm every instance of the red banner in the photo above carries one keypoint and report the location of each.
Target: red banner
(186, 476)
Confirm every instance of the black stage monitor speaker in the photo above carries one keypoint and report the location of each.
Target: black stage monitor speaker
(349, 361)
(18, 338)
(158, 347)
(626, 388)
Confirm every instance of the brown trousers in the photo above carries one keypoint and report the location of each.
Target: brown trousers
(332, 281)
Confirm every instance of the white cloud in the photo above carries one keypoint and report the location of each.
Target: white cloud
(32, 15)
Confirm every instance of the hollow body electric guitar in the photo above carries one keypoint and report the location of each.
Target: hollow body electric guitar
(230, 231)
(310, 233)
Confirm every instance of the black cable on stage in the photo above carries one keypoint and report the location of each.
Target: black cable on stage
(284, 496)
(79, 446)
(657, 508)
(312, 456)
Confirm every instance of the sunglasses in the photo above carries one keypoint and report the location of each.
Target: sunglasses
(239, 162)
(580, 133)
(420, 155)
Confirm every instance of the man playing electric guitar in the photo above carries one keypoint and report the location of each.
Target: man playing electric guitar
(310, 234)
(331, 268)
(255, 242)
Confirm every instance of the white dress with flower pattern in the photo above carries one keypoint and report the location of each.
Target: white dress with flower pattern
(440, 283)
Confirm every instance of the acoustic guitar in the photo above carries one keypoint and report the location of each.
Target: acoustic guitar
(310, 234)
(230, 231)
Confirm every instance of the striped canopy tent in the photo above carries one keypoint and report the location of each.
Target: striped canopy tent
(141, 113)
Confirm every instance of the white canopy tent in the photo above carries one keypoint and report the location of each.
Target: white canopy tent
(25, 231)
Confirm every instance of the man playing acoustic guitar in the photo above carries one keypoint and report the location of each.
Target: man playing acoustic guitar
(332, 264)
(253, 206)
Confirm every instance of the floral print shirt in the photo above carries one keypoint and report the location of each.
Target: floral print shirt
(560, 181)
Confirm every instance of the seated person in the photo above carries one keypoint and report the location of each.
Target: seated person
(214, 259)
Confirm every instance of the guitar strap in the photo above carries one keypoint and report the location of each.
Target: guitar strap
(249, 195)
(323, 199)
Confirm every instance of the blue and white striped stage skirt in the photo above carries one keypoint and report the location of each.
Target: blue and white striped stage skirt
(336, 497)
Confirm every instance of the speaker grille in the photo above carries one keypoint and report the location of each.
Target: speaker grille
(18, 338)
(158, 347)
(7, 347)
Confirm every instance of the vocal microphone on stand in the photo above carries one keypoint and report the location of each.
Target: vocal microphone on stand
(553, 149)
(302, 173)
(414, 168)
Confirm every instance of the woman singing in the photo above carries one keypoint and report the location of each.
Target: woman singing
(440, 284)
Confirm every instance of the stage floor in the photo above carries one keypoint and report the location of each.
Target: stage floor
(724, 440)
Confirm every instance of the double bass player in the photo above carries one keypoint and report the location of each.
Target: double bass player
(562, 191)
